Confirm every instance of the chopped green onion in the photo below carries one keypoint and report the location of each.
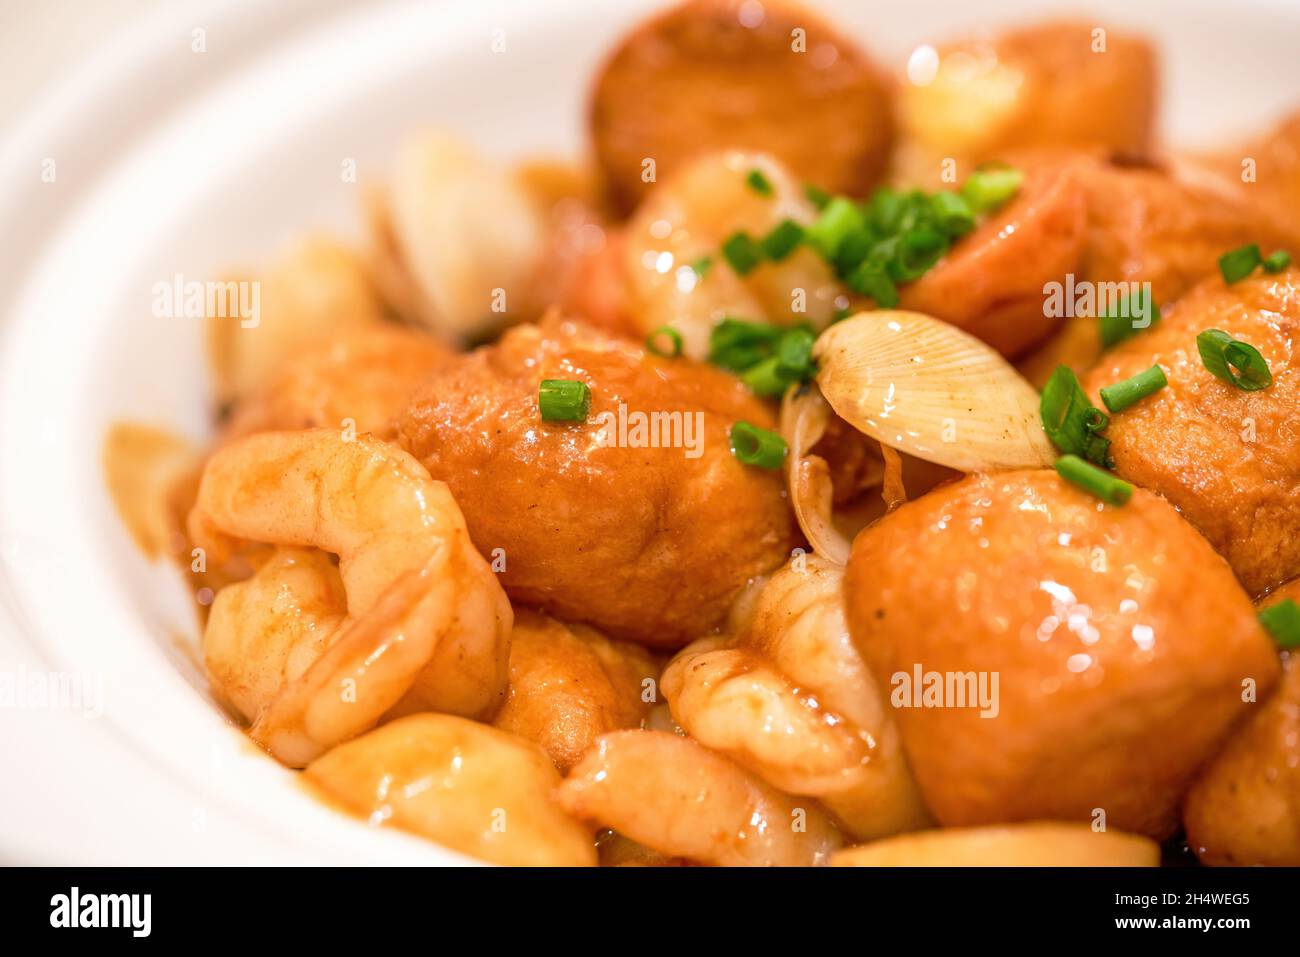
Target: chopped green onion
(1071, 421)
(794, 354)
(765, 378)
(952, 214)
(1239, 263)
(1233, 361)
(782, 240)
(737, 344)
(841, 314)
(1121, 395)
(563, 400)
(742, 252)
(1107, 487)
(1283, 622)
(885, 210)
(759, 182)
(838, 220)
(1277, 261)
(817, 196)
(870, 279)
(1117, 324)
(916, 252)
(755, 446)
(988, 189)
(702, 265)
(674, 337)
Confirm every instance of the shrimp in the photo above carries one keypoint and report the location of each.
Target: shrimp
(569, 684)
(427, 624)
(679, 798)
(688, 217)
(467, 786)
(266, 631)
(789, 698)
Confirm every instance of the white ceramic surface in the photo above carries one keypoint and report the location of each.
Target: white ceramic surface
(174, 161)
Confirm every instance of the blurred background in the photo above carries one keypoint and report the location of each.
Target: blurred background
(40, 40)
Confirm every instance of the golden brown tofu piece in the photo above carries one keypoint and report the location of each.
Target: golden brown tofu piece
(1228, 459)
(359, 380)
(1050, 657)
(645, 532)
(718, 74)
(1145, 225)
(569, 684)
(1245, 807)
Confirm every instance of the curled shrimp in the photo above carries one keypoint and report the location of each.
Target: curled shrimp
(788, 697)
(684, 223)
(426, 624)
(678, 798)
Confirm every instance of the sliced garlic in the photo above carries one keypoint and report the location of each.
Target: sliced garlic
(928, 389)
(804, 415)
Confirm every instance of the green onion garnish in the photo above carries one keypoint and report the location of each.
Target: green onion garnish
(838, 220)
(794, 354)
(1071, 421)
(742, 252)
(654, 342)
(759, 183)
(916, 252)
(737, 344)
(1117, 324)
(755, 446)
(1277, 261)
(870, 279)
(1239, 263)
(563, 400)
(1283, 622)
(782, 240)
(989, 188)
(1107, 487)
(1233, 360)
(952, 214)
(764, 377)
(1121, 395)
(817, 196)
(702, 265)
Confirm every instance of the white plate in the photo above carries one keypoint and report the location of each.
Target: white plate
(169, 160)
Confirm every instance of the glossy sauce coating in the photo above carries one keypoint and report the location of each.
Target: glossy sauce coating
(683, 800)
(1245, 807)
(1119, 639)
(465, 785)
(787, 696)
(644, 543)
(1228, 459)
